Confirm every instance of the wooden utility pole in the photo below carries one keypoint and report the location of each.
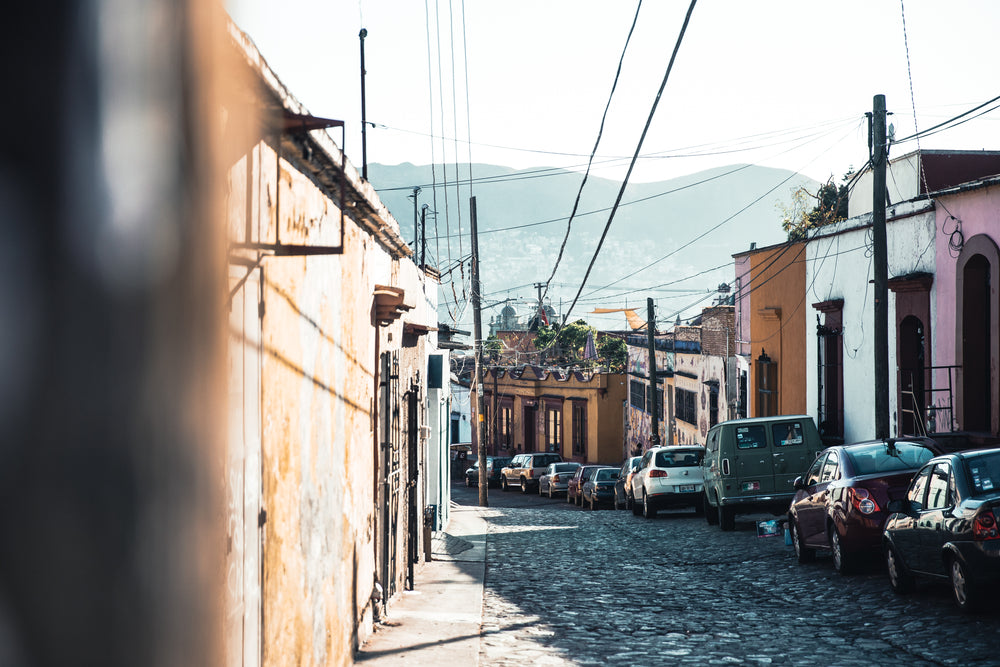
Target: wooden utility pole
(881, 269)
(654, 426)
(477, 332)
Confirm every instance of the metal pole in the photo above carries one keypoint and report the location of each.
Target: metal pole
(364, 118)
(881, 270)
(654, 426)
(423, 237)
(477, 324)
(416, 229)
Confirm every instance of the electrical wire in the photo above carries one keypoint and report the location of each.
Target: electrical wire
(597, 142)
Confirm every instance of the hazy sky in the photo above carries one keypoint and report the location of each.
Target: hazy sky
(781, 83)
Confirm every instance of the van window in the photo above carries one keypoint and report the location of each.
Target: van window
(787, 434)
(751, 437)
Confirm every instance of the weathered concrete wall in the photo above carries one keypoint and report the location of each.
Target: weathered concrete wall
(838, 267)
(315, 452)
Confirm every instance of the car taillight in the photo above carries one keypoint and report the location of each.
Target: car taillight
(862, 501)
(984, 527)
(554, 478)
(658, 473)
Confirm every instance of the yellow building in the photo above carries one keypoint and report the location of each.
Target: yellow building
(578, 414)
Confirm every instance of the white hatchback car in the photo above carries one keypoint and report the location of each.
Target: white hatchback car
(668, 477)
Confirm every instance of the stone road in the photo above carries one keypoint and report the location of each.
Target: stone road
(566, 586)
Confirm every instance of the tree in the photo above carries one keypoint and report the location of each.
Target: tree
(614, 352)
(571, 340)
(830, 207)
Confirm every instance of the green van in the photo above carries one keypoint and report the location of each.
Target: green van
(750, 464)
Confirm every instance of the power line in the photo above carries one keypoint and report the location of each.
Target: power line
(600, 133)
(635, 157)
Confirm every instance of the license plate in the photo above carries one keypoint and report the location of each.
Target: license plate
(686, 488)
(751, 486)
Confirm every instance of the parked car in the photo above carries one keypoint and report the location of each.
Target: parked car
(525, 470)
(624, 481)
(556, 478)
(493, 466)
(667, 477)
(750, 465)
(574, 491)
(599, 488)
(946, 528)
(841, 503)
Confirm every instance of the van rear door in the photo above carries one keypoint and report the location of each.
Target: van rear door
(752, 457)
(796, 443)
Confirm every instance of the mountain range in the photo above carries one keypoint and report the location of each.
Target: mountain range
(682, 229)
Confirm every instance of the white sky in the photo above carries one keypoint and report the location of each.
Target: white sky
(781, 83)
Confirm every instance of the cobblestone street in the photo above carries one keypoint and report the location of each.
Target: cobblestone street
(569, 586)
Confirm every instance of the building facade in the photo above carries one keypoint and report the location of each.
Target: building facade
(337, 438)
(573, 413)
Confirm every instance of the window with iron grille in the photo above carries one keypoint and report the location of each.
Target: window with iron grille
(579, 427)
(659, 402)
(505, 426)
(553, 429)
(767, 386)
(637, 394)
(687, 405)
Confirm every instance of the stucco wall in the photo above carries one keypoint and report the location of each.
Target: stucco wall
(978, 213)
(839, 267)
(777, 283)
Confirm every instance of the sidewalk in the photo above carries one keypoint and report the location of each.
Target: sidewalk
(438, 623)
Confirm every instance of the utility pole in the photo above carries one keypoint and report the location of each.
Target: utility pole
(654, 426)
(477, 327)
(541, 309)
(416, 231)
(423, 237)
(881, 269)
(364, 119)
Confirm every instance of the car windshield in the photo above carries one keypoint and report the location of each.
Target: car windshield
(606, 474)
(678, 459)
(565, 467)
(984, 473)
(877, 457)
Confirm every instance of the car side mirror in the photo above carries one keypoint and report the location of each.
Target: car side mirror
(900, 506)
(798, 484)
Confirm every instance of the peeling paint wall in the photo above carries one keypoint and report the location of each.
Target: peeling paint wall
(307, 438)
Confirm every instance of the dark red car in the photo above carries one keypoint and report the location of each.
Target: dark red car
(841, 504)
(574, 492)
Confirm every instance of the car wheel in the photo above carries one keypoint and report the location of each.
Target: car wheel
(727, 518)
(636, 507)
(648, 511)
(711, 516)
(504, 486)
(802, 553)
(524, 485)
(900, 581)
(964, 591)
(468, 482)
(550, 492)
(617, 504)
(593, 504)
(629, 501)
(843, 561)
